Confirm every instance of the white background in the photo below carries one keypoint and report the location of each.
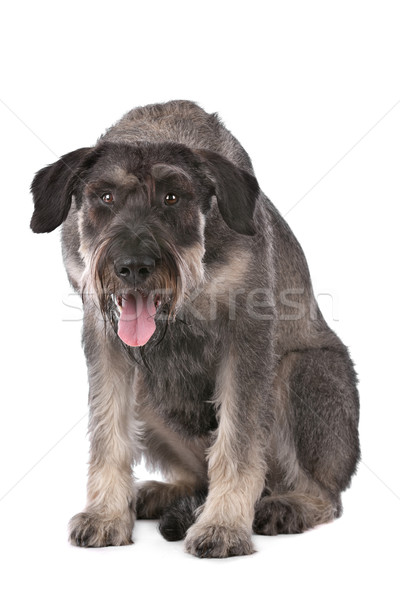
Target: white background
(312, 91)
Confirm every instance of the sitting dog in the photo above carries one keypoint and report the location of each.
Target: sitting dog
(207, 353)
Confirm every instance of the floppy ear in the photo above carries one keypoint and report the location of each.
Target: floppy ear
(52, 188)
(236, 191)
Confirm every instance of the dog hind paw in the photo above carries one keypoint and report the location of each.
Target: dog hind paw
(282, 515)
(180, 515)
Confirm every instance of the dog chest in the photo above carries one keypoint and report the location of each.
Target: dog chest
(179, 381)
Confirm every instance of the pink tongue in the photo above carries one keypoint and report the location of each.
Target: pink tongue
(136, 322)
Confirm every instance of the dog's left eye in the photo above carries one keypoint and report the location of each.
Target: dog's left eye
(108, 198)
(171, 199)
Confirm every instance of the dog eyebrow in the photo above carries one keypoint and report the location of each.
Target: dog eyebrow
(123, 177)
(112, 181)
(100, 185)
(164, 171)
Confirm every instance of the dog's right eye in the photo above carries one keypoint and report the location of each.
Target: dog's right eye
(108, 198)
(171, 199)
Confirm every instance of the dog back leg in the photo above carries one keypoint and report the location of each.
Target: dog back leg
(182, 462)
(315, 442)
(155, 497)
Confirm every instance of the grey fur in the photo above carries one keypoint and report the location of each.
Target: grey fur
(243, 395)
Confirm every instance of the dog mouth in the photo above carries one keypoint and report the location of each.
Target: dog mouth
(137, 317)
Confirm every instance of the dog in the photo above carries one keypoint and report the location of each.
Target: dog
(207, 353)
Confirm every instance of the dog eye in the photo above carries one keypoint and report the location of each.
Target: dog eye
(108, 198)
(171, 199)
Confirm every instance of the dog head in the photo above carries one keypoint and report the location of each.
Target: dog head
(141, 214)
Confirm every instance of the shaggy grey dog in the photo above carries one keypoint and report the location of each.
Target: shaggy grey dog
(206, 351)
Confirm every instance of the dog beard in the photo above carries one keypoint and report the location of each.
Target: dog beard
(134, 312)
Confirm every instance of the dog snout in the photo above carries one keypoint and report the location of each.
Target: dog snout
(134, 270)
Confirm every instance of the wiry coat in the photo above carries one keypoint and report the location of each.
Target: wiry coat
(243, 397)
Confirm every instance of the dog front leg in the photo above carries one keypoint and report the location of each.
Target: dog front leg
(109, 515)
(236, 464)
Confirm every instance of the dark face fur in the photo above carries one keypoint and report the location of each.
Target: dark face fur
(141, 219)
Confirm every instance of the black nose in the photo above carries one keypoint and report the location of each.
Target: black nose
(134, 270)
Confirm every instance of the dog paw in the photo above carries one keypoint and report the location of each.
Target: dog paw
(172, 527)
(218, 541)
(154, 497)
(151, 497)
(275, 517)
(287, 516)
(181, 515)
(92, 530)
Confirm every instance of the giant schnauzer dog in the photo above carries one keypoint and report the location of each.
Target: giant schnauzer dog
(207, 353)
